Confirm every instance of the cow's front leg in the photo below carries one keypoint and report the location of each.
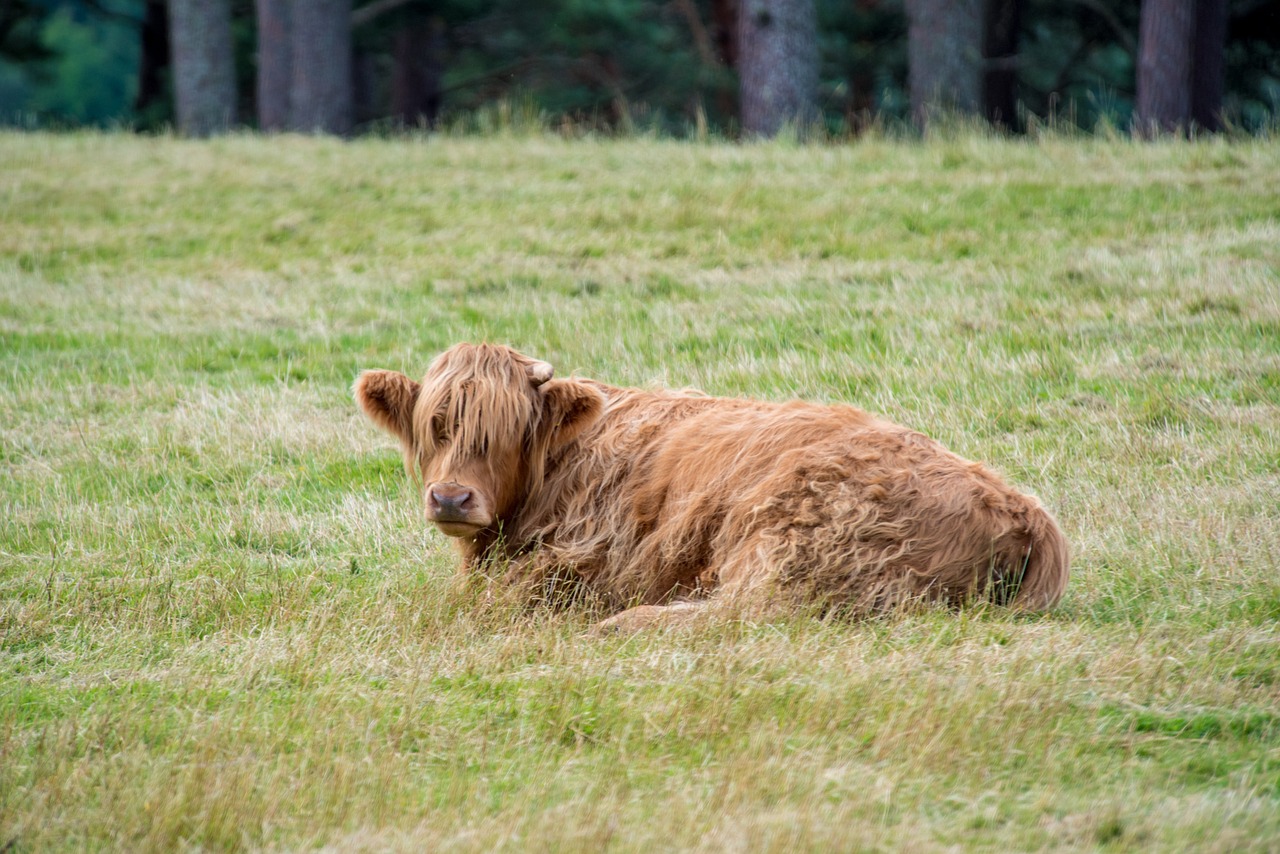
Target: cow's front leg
(649, 616)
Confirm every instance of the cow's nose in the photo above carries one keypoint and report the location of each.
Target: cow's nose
(450, 502)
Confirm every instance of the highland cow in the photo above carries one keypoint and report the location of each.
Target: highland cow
(665, 502)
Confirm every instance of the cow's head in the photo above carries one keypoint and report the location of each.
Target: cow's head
(478, 429)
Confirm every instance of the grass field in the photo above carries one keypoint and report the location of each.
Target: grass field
(223, 624)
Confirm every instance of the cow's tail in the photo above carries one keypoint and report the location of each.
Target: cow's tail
(1045, 564)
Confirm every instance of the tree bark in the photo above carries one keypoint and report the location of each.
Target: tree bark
(204, 75)
(367, 103)
(275, 67)
(1209, 64)
(724, 14)
(721, 42)
(153, 59)
(1000, 78)
(944, 57)
(777, 64)
(321, 100)
(418, 71)
(1166, 34)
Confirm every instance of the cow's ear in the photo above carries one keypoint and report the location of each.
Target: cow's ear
(572, 406)
(387, 397)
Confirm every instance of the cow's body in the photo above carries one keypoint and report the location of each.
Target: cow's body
(652, 497)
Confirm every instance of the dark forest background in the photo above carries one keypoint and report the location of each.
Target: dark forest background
(733, 67)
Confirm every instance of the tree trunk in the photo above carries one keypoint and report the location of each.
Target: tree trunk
(418, 72)
(724, 15)
(204, 74)
(275, 67)
(1209, 64)
(153, 59)
(777, 64)
(1166, 36)
(944, 57)
(368, 103)
(320, 100)
(722, 36)
(1000, 78)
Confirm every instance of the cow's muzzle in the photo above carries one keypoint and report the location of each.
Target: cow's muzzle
(456, 509)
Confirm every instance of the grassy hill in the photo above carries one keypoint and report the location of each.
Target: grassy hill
(224, 625)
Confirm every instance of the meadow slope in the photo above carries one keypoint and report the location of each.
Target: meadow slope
(224, 626)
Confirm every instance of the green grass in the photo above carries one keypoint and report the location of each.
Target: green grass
(223, 624)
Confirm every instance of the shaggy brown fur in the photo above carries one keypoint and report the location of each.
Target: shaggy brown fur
(652, 498)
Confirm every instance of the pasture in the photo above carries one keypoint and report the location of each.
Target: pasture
(225, 626)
